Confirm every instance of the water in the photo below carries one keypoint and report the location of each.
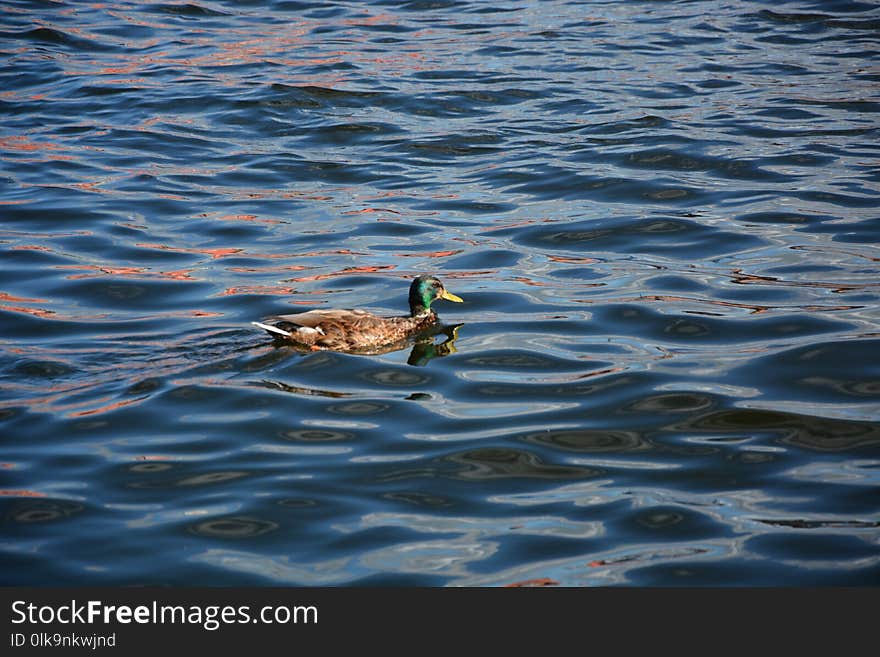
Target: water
(662, 217)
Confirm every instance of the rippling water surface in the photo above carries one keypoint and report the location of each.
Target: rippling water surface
(662, 217)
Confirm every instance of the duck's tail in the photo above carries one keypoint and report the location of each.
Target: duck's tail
(273, 329)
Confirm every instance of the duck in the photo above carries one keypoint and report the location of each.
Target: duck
(358, 330)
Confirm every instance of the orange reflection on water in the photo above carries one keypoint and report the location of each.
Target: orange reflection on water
(236, 194)
(571, 259)
(267, 268)
(528, 281)
(277, 290)
(530, 583)
(9, 492)
(372, 210)
(177, 275)
(741, 278)
(112, 406)
(23, 143)
(429, 254)
(319, 254)
(469, 274)
(43, 313)
(31, 247)
(96, 271)
(367, 269)
(4, 296)
(214, 253)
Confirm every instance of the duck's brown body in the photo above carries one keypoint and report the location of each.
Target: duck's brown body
(359, 330)
(350, 330)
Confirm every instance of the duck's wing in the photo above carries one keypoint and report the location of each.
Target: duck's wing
(312, 318)
(302, 327)
(326, 320)
(333, 329)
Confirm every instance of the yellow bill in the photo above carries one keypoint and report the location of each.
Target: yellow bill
(449, 296)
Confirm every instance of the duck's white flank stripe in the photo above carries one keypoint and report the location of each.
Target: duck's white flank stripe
(272, 329)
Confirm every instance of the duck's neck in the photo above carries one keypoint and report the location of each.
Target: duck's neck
(420, 311)
(418, 305)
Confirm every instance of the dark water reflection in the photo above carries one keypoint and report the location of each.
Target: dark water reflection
(662, 217)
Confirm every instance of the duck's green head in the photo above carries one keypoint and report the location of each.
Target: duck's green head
(424, 290)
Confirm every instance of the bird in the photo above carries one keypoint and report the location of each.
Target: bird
(359, 330)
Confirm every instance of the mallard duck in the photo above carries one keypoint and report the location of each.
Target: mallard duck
(359, 330)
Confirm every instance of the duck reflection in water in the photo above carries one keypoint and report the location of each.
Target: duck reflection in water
(426, 348)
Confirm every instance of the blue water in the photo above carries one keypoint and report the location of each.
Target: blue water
(663, 218)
